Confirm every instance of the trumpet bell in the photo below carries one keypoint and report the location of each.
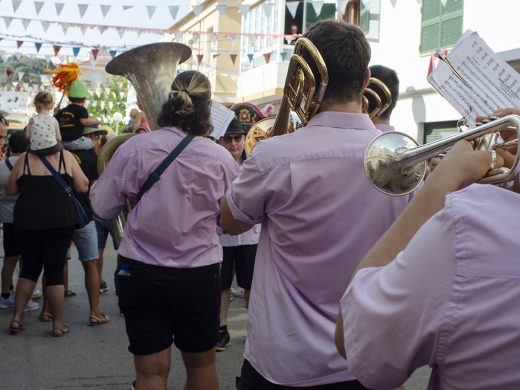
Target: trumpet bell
(383, 169)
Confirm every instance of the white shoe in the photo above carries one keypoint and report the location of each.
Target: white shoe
(31, 305)
(237, 292)
(37, 293)
(7, 303)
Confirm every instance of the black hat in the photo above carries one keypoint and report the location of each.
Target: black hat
(235, 128)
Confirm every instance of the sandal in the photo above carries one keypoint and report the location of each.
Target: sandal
(15, 327)
(100, 319)
(69, 293)
(59, 332)
(45, 316)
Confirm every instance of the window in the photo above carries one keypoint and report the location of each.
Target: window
(441, 26)
(369, 19)
(434, 131)
(328, 10)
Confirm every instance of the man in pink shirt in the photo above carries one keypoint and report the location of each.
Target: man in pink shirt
(319, 216)
(440, 288)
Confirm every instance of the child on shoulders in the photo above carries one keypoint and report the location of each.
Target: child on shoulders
(43, 129)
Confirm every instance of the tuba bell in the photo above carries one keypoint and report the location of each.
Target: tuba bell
(151, 70)
(305, 85)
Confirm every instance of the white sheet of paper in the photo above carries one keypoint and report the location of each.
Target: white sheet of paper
(221, 117)
(491, 82)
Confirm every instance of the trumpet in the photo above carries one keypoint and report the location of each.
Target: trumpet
(376, 98)
(304, 88)
(396, 165)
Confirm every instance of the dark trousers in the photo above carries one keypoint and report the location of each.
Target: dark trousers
(250, 379)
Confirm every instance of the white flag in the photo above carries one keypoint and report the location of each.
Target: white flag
(268, 8)
(93, 62)
(45, 25)
(59, 7)
(221, 8)
(121, 33)
(16, 4)
(105, 9)
(18, 55)
(125, 7)
(82, 9)
(102, 29)
(65, 28)
(83, 29)
(25, 23)
(20, 75)
(173, 11)
(318, 5)
(342, 6)
(197, 9)
(292, 6)
(244, 8)
(7, 21)
(38, 6)
(443, 2)
(151, 10)
(367, 2)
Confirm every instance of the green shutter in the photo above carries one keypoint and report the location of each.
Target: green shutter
(327, 11)
(364, 18)
(441, 27)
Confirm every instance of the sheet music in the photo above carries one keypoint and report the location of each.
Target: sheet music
(489, 82)
(221, 117)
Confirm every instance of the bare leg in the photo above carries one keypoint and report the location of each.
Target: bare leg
(201, 372)
(92, 286)
(152, 370)
(24, 290)
(46, 308)
(55, 296)
(8, 272)
(224, 306)
(99, 264)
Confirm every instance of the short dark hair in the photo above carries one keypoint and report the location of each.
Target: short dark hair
(389, 78)
(189, 104)
(18, 142)
(76, 100)
(346, 53)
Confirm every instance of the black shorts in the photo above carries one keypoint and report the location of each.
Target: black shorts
(11, 247)
(162, 304)
(240, 259)
(250, 379)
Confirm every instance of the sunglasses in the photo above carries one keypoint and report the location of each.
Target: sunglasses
(237, 138)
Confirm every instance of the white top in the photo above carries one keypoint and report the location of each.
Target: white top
(45, 131)
(6, 202)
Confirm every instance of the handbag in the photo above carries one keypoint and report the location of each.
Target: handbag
(83, 219)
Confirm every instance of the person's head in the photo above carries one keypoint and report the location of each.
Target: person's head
(389, 78)
(189, 104)
(18, 142)
(95, 132)
(43, 101)
(346, 53)
(78, 92)
(294, 29)
(233, 139)
(133, 113)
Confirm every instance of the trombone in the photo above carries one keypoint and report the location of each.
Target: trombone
(396, 165)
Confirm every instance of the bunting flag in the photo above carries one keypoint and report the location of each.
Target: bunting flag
(250, 56)
(268, 7)
(95, 52)
(233, 58)
(7, 21)
(292, 6)
(342, 7)
(317, 5)
(20, 76)
(16, 4)
(105, 9)
(102, 29)
(19, 44)
(221, 8)
(121, 33)
(57, 49)
(38, 6)
(283, 54)
(244, 8)
(9, 73)
(174, 9)
(443, 2)
(75, 51)
(38, 46)
(45, 25)
(199, 58)
(107, 91)
(83, 29)
(197, 9)
(18, 55)
(65, 28)
(113, 53)
(215, 55)
(59, 8)
(267, 57)
(151, 10)
(25, 23)
(367, 2)
(125, 7)
(82, 9)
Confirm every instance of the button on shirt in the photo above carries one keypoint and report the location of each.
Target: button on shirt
(451, 300)
(319, 215)
(174, 223)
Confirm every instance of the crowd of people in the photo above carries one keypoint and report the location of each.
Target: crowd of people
(346, 288)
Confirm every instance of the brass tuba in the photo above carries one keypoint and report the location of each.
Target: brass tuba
(376, 98)
(151, 70)
(304, 88)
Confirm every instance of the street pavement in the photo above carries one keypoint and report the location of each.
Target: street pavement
(96, 357)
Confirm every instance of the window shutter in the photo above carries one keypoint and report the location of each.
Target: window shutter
(440, 26)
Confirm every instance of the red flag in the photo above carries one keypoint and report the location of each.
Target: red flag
(57, 49)
(267, 57)
(9, 72)
(430, 67)
(233, 58)
(95, 53)
(19, 44)
(199, 58)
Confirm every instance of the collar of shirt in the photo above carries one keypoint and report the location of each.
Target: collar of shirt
(335, 119)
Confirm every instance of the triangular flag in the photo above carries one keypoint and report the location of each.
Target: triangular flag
(95, 52)
(9, 72)
(93, 63)
(75, 51)
(292, 6)
(65, 27)
(59, 7)
(45, 25)
(82, 9)
(233, 58)
(268, 7)
(443, 2)
(178, 36)
(139, 32)
(107, 91)
(121, 33)
(197, 9)
(102, 104)
(7, 21)
(20, 76)
(199, 58)
(19, 44)
(151, 10)
(367, 2)
(83, 29)
(25, 23)
(57, 49)
(250, 56)
(125, 7)
(16, 4)
(113, 53)
(318, 5)
(221, 8)
(110, 105)
(215, 55)
(173, 11)
(283, 54)
(105, 9)
(102, 29)
(38, 6)
(18, 55)
(342, 7)
(267, 57)
(38, 46)
(244, 8)
(26, 86)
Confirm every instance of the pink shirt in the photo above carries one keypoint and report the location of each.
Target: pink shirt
(451, 300)
(319, 215)
(385, 128)
(174, 223)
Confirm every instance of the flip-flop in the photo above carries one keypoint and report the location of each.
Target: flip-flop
(45, 316)
(100, 319)
(59, 332)
(15, 329)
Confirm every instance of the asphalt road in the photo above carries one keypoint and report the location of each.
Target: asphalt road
(97, 357)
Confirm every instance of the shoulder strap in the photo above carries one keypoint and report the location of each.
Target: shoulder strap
(59, 179)
(8, 163)
(26, 164)
(62, 162)
(156, 174)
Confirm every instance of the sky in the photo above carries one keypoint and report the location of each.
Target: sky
(135, 17)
